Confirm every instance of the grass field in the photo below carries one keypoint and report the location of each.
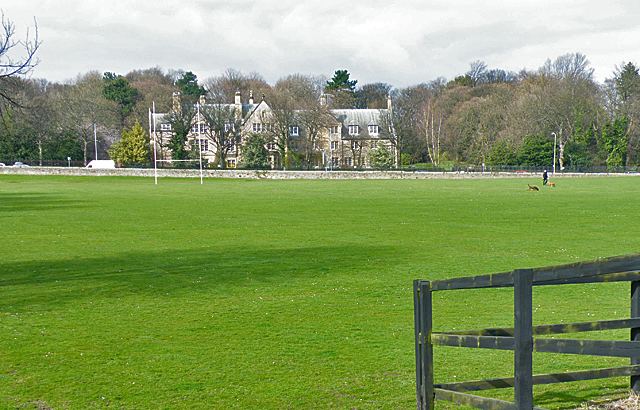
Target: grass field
(285, 294)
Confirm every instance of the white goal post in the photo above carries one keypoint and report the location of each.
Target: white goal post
(152, 131)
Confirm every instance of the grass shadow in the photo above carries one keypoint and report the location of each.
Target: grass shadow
(176, 272)
(35, 202)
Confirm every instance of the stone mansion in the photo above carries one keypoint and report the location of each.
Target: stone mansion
(345, 143)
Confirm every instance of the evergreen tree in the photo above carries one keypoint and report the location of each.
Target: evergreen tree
(254, 153)
(627, 82)
(188, 85)
(116, 88)
(380, 157)
(133, 148)
(342, 89)
(613, 140)
(341, 82)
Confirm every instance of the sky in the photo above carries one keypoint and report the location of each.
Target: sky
(403, 43)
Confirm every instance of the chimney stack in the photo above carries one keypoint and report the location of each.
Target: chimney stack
(389, 102)
(251, 97)
(238, 100)
(177, 103)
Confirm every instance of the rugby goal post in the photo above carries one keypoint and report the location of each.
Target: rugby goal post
(152, 131)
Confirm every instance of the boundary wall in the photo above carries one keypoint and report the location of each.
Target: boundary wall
(277, 174)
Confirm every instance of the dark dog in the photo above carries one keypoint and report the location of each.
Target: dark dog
(533, 188)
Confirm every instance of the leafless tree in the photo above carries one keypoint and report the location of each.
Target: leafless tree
(17, 59)
(432, 132)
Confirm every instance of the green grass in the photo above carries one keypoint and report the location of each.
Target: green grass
(285, 294)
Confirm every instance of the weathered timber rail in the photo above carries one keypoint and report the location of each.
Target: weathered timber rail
(521, 339)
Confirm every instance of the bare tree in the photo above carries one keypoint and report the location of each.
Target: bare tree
(432, 132)
(83, 107)
(17, 58)
(232, 81)
(314, 121)
(283, 116)
(222, 126)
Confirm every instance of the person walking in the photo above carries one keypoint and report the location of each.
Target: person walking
(545, 177)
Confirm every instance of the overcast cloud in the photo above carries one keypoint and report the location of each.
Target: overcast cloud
(399, 42)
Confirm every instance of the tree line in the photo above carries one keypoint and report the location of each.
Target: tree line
(484, 116)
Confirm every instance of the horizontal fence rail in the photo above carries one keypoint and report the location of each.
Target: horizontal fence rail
(520, 338)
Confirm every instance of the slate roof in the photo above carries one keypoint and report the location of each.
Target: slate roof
(362, 117)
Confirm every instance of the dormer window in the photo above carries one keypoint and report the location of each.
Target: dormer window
(294, 131)
(374, 129)
(165, 127)
(354, 129)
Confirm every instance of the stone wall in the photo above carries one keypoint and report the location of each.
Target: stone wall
(251, 174)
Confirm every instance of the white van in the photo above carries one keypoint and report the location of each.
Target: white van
(101, 164)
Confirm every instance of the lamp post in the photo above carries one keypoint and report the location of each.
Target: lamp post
(554, 151)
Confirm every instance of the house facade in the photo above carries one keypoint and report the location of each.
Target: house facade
(345, 140)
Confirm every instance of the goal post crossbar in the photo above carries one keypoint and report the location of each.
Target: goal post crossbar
(152, 130)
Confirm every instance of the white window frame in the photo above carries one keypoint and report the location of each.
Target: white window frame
(203, 144)
(294, 131)
(165, 127)
(354, 129)
(334, 130)
(334, 145)
(373, 129)
(257, 127)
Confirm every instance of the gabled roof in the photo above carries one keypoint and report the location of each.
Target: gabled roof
(359, 116)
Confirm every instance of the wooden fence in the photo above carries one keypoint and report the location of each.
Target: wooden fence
(521, 339)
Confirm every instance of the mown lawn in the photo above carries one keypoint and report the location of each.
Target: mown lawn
(285, 294)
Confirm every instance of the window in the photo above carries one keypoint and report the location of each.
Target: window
(334, 162)
(231, 163)
(228, 127)
(348, 161)
(233, 147)
(294, 131)
(355, 145)
(165, 127)
(354, 129)
(194, 128)
(334, 130)
(374, 144)
(257, 127)
(267, 127)
(271, 146)
(374, 129)
(203, 144)
(334, 145)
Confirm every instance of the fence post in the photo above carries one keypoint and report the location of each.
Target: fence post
(424, 350)
(523, 333)
(635, 331)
